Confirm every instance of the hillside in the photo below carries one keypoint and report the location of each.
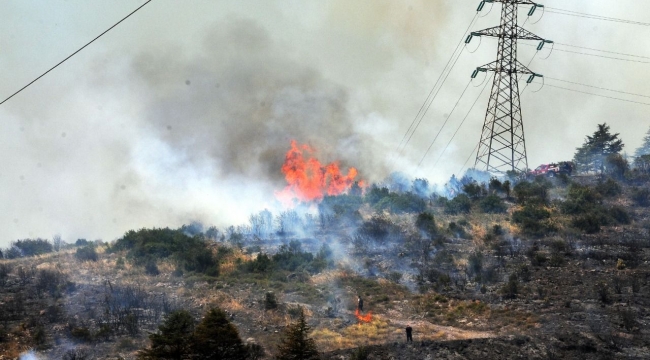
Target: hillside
(547, 268)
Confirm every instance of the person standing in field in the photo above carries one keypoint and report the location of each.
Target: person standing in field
(409, 333)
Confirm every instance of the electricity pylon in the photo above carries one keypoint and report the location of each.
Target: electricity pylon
(502, 147)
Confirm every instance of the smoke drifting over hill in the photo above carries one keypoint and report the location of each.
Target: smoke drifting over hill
(185, 113)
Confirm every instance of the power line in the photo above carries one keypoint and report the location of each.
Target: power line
(469, 157)
(596, 55)
(605, 51)
(597, 87)
(75, 53)
(588, 93)
(461, 124)
(593, 17)
(424, 106)
(445, 123)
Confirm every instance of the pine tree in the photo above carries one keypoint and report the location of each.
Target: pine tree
(296, 345)
(216, 338)
(591, 156)
(645, 147)
(173, 339)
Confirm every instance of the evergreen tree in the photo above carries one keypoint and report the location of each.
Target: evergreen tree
(645, 147)
(591, 156)
(173, 339)
(296, 345)
(216, 338)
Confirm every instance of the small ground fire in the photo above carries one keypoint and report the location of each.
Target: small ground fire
(308, 179)
(363, 318)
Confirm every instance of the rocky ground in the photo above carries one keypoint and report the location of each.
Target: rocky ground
(577, 296)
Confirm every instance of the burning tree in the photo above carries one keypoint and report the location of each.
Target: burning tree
(310, 180)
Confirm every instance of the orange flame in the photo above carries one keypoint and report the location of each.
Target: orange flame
(308, 179)
(363, 318)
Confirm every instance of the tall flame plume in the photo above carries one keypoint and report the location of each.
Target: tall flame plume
(308, 179)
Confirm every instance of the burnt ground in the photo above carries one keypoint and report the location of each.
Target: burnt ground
(577, 296)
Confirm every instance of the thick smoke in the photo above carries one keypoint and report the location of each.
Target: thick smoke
(185, 113)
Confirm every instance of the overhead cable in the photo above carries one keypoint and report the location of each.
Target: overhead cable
(459, 126)
(445, 123)
(427, 103)
(604, 51)
(593, 17)
(589, 93)
(597, 87)
(76, 52)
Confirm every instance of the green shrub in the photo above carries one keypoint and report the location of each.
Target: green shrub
(461, 204)
(473, 190)
(533, 220)
(426, 223)
(580, 200)
(609, 188)
(589, 223)
(493, 204)
(81, 334)
(641, 196)
(32, 247)
(86, 253)
(511, 288)
(150, 268)
(532, 192)
(270, 301)
(147, 245)
(620, 215)
(399, 203)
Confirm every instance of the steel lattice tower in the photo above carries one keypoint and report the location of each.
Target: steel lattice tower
(502, 146)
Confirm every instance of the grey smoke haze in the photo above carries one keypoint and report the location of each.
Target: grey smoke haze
(184, 112)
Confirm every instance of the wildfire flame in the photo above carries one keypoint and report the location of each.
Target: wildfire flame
(363, 318)
(310, 180)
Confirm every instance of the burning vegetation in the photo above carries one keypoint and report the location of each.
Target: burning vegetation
(542, 268)
(309, 180)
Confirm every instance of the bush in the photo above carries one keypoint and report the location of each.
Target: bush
(603, 293)
(150, 268)
(580, 200)
(511, 288)
(620, 215)
(82, 242)
(361, 353)
(533, 220)
(473, 190)
(493, 204)
(426, 223)
(641, 196)
(86, 253)
(32, 247)
(270, 301)
(532, 192)
(147, 245)
(461, 204)
(81, 334)
(589, 223)
(398, 203)
(609, 188)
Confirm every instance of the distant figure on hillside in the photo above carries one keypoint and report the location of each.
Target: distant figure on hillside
(409, 333)
(360, 303)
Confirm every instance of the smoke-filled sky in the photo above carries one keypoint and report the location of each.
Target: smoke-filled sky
(184, 111)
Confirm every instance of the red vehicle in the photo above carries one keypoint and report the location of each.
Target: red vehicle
(552, 170)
